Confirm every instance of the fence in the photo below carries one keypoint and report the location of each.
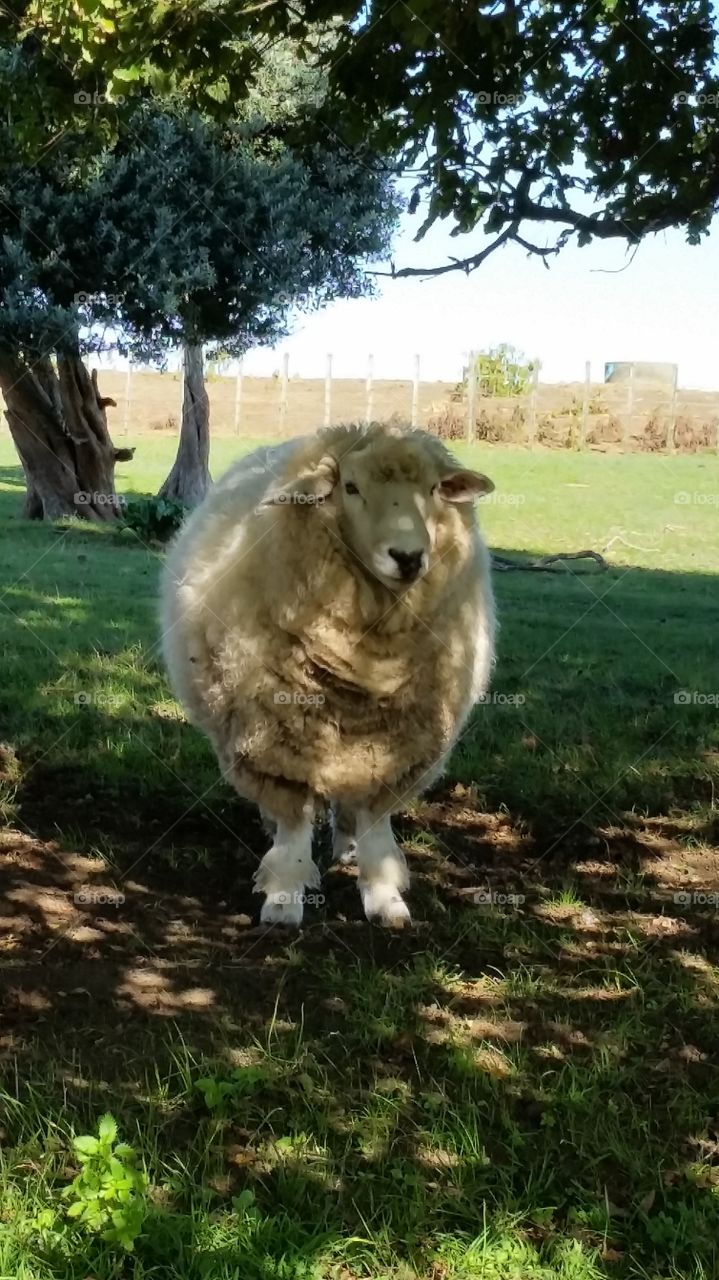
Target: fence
(625, 416)
(284, 404)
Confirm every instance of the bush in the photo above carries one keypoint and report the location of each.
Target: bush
(447, 422)
(153, 519)
(502, 371)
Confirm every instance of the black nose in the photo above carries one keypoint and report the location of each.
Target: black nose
(409, 563)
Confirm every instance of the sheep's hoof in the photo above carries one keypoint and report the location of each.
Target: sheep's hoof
(383, 904)
(282, 908)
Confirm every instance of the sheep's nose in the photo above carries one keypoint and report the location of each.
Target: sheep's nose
(409, 563)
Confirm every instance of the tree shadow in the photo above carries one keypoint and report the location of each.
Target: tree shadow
(534, 1060)
(13, 476)
(493, 1061)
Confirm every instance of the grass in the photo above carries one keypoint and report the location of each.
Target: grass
(517, 1089)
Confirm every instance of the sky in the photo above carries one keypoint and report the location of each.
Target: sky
(588, 305)
(597, 303)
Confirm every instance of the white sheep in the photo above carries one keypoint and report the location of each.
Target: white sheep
(328, 622)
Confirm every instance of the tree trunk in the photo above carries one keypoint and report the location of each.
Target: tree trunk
(59, 426)
(190, 476)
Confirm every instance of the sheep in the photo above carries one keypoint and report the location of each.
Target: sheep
(328, 622)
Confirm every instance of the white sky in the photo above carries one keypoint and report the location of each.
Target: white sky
(664, 306)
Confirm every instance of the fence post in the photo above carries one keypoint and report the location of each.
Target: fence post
(283, 389)
(128, 399)
(627, 432)
(415, 393)
(471, 397)
(238, 397)
(671, 433)
(328, 391)
(533, 405)
(585, 405)
(370, 376)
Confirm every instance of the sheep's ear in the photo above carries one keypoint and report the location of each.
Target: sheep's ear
(464, 486)
(306, 489)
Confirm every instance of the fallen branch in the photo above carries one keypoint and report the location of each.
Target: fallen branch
(546, 563)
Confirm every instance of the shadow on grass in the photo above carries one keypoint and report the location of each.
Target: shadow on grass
(542, 1071)
(523, 1084)
(15, 477)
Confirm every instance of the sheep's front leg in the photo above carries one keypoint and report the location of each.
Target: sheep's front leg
(383, 870)
(285, 872)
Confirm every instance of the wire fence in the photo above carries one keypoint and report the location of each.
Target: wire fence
(635, 414)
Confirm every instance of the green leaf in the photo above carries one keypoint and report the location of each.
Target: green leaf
(107, 1127)
(86, 1145)
(219, 91)
(127, 73)
(75, 1209)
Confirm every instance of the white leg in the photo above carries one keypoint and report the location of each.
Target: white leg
(285, 872)
(382, 871)
(344, 842)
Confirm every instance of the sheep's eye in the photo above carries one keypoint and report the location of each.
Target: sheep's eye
(351, 487)
(433, 490)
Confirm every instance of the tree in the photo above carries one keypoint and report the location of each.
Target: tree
(577, 120)
(55, 412)
(221, 236)
(181, 232)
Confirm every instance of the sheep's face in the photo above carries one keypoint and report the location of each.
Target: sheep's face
(392, 505)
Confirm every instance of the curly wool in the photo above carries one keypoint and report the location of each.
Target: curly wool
(310, 677)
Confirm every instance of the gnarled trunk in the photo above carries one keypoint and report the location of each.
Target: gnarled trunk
(59, 426)
(190, 477)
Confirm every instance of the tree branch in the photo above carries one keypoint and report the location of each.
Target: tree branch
(593, 224)
(262, 4)
(454, 264)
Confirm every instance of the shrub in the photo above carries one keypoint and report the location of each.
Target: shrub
(153, 519)
(108, 1198)
(502, 371)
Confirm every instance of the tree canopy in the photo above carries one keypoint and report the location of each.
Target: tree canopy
(216, 241)
(175, 230)
(541, 122)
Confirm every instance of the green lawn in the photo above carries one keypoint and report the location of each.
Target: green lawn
(514, 1091)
